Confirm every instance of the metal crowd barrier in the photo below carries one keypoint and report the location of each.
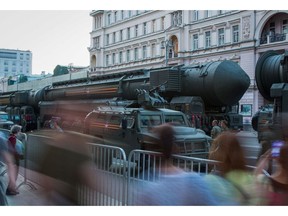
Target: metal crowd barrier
(146, 166)
(110, 168)
(118, 179)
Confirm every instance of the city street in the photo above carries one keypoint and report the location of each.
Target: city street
(251, 146)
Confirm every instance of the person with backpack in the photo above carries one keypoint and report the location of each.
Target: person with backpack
(274, 186)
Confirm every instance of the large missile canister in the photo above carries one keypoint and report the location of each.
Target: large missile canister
(220, 83)
(271, 68)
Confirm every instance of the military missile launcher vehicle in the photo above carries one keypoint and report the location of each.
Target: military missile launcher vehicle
(203, 92)
(272, 81)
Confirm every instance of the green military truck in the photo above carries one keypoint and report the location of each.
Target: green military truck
(131, 128)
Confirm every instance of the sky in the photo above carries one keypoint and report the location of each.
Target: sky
(58, 32)
(53, 36)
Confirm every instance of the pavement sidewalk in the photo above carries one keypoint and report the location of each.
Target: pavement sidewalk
(28, 196)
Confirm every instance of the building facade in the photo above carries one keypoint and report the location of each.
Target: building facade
(15, 62)
(124, 40)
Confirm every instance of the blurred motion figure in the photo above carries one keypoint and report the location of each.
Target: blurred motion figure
(175, 187)
(275, 186)
(13, 164)
(237, 183)
(66, 165)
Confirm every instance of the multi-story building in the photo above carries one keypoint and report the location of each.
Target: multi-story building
(15, 62)
(131, 39)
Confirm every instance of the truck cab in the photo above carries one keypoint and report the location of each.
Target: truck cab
(132, 128)
(4, 121)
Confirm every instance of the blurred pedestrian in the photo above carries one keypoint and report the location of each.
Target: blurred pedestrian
(4, 158)
(175, 186)
(66, 165)
(231, 170)
(216, 130)
(54, 124)
(224, 125)
(13, 165)
(274, 186)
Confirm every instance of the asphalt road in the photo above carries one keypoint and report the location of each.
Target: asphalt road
(250, 144)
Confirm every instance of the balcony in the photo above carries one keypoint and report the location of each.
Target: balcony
(273, 38)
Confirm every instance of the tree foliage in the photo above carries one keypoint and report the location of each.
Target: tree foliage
(60, 70)
(22, 78)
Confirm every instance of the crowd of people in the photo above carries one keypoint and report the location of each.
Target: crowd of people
(229, 181)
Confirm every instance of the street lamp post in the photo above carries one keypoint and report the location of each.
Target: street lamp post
(166, 45)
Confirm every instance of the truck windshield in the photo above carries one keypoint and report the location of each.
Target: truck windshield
(178, 120)
(150, 120)
(3, 117)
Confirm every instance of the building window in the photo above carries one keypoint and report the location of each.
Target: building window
(115, 16)
(272, 28)
(162, 23)
(98, 22)
(96, 42)
(109, 19)
(153, 25)
(113, 59)
(153, 50)
(144, 28)
(207, 39)
(285, 26)
(221, 37)
(120, 57)
(107, 39)
(114, 37)
(195, 15)
(144, 54)
(128, 33)
(121, 35)
(177, 18)
(128, 56)
(107, 60)
(129, 13)
(208, 13)
(122, 14)
(235, 30)
(195, 41)
(136, 54)
(136, 30)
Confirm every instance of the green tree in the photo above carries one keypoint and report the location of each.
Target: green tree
(22, 78)
(60, 70)
(10, 81)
